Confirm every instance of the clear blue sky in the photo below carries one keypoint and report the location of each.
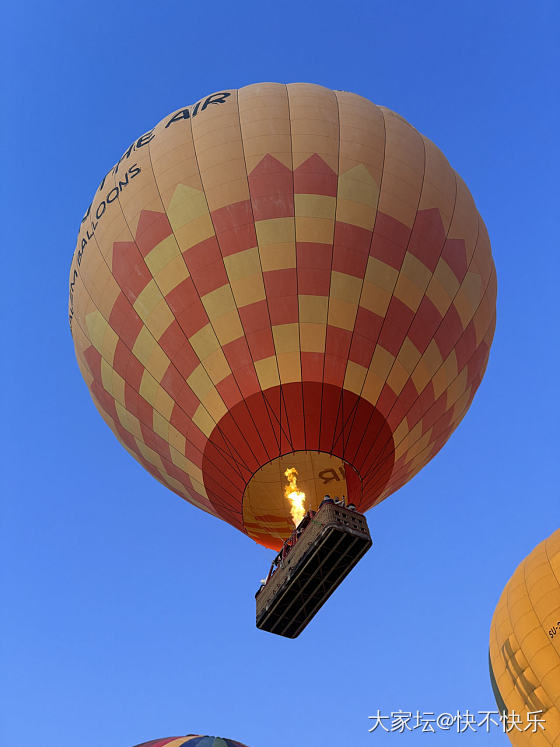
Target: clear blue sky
(129, 615)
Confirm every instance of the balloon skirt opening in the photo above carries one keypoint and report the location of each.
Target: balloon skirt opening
(339, 443)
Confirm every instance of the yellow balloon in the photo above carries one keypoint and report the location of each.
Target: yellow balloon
(525, 648)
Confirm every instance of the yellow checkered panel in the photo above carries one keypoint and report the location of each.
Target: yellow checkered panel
(276, 270)
(525, 647)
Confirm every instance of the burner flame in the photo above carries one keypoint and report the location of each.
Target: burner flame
(294, 496)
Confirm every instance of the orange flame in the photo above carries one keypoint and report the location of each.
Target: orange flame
(295, 496)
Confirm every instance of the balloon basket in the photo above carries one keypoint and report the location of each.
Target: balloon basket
(314, 560)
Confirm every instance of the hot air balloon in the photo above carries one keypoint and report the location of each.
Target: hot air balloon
(282, 277)
(525, 648)
(192, 740)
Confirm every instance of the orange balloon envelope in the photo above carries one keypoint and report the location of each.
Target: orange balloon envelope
(525, 648)
(282, 276)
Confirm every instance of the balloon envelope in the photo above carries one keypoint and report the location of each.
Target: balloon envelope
(192, 740)
(280, 276)
(525, 646)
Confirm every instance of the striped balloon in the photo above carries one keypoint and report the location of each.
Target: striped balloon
(192, 740)
(282, 276)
